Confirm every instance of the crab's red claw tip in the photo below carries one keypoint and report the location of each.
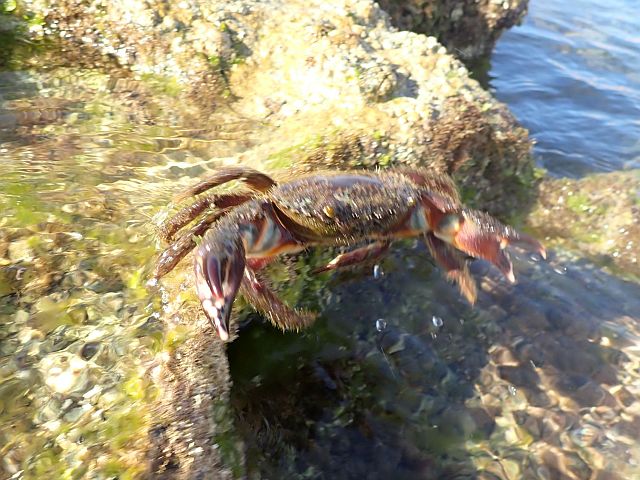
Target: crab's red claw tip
(503, 262)
(510, 276)
(218, 272)
(526, 242)
(542, 252)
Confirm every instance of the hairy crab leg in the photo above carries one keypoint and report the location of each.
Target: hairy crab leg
(185, 215)
(257, 292)
(252, 178)
(172, 255)
(454, 264)
(359, 255)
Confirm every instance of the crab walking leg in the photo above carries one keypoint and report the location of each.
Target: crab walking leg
(253, 178)
(190, 212)
(256, 291)
(172, 255)
(454, 264)
(359, 255)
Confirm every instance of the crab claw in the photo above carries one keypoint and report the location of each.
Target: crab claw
(219, 267)
(480, 235)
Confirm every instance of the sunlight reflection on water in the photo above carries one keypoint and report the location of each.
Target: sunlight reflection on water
(570, 74)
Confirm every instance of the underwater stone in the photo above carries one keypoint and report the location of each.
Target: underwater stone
(21, 251)
(65, 373)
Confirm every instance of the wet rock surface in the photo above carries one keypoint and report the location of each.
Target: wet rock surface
(187, 439)
(469, 29)
(598, 215)
(534, 382)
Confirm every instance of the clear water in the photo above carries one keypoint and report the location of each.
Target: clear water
(399, 378)
(571, 75)
(88, 157)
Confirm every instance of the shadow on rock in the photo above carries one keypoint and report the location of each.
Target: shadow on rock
(401, 377)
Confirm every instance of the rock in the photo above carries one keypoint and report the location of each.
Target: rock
(597, 215)
(523, 376)
(65, 373)
(192, 411)
(350, 91)
(20, 251)
(469, 28)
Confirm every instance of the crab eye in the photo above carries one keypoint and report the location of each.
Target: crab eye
(449, 225)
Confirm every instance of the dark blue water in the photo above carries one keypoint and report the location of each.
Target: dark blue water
(571, 75)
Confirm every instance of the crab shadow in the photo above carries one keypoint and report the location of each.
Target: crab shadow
(400, 377)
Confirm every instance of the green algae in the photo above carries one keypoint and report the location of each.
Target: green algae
(290, 156)
(593, 215)
(163, 85)
(78, 271)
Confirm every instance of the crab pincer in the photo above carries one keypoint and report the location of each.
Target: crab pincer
(219, 266)
(480, 235)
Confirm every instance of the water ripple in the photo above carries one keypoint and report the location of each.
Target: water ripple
(570, 74)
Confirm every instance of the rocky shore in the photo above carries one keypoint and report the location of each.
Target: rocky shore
(305, 85)
(333, 77)
(598, 216)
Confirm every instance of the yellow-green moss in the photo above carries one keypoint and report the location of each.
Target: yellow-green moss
(162, 85)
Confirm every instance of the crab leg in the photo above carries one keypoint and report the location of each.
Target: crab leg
(188, 213)
(454, 264)
(257, 292)
(359, 255)
(253, 178)
(172, 255)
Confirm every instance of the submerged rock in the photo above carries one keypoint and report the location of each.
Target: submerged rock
(598, 216)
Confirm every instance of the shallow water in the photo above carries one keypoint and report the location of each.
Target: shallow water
(88, 157)
(571, 75)
(399, 377)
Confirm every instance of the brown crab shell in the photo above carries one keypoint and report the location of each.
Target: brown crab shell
(345, 207)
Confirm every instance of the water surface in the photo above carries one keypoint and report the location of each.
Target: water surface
(571, 75)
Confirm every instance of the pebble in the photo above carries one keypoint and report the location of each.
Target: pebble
(65, 373)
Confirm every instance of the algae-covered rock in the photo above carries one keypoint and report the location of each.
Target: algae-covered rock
(469, 28)
(312, 74)
(598, 215)
(192, 434)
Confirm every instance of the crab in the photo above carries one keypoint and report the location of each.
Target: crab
(242, 231)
